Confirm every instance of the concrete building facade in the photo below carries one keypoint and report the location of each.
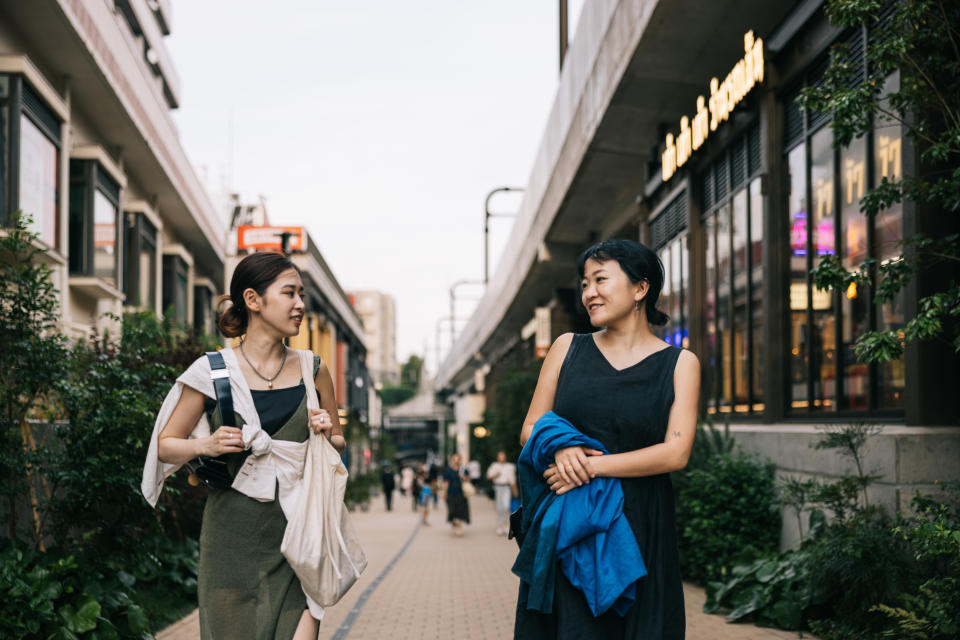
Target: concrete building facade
(90, 151)
(675, 123)
(378, 312)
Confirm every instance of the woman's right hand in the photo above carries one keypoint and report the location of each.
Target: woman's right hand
(224, 440)
(572, 464)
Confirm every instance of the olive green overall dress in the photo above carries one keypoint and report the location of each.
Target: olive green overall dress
(246, 589)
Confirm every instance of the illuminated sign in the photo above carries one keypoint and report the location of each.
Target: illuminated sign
(724, 97)
(254, 237)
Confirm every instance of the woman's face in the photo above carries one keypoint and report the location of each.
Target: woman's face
(607, 293)
(501, 456)
(281, 305)
(455, 461)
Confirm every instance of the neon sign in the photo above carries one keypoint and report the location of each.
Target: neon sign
(724, 97)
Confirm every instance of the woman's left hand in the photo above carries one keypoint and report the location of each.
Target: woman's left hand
(320, 421)
(556, 482)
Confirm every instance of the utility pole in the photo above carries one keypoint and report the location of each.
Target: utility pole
(564, 32)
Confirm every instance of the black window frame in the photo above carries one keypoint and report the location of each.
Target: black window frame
(140, 234)
(22, 99)
(89, 176)
(204, 318)
(175, 267)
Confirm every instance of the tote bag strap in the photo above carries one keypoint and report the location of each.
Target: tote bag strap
(306, 371)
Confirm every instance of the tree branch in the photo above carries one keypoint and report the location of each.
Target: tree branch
(946, 22)
(933, 86)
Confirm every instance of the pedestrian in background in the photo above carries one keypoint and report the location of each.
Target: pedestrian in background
(637, 396)
(406, 482)
(388, 482)
(503, 475)
(433, 477)
(425, 494)
(458, 509)
(474, 471)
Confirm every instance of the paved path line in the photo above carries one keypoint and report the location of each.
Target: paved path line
(344, 628)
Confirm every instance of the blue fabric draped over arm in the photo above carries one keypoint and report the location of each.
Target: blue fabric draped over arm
(584, 529)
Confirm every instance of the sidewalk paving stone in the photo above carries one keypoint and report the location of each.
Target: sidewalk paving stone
(448, 587)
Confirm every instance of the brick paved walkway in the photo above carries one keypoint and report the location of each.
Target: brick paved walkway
(447, 587)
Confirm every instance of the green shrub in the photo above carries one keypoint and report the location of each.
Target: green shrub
(110, 401)
(930, 608)
(32, 360)
(359, 486)
(727, 510)
(51, 595)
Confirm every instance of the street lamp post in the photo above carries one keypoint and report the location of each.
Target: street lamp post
(440, 321)
(486, 227)
(453, 297)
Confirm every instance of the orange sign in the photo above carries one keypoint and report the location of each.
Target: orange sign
(252, 237)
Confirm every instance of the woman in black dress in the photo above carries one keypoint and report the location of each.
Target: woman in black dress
(458, 509)
(637, 395)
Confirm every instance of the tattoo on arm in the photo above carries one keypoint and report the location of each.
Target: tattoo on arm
(676, 434)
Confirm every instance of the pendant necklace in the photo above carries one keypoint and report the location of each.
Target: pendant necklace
(260, 375)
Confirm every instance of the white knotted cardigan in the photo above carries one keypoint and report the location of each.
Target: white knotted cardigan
(274, 468)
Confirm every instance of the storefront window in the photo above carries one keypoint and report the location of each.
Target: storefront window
(889, 236)
(741, 303)
(673, 296)
(734, 311)
(710, 312)
(756, 298)
(668, 238)
(797, 210)
(823, 339)
(39, 162)
(855, 299)
(825, 373)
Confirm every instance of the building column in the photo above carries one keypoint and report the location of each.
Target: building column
(776, 259)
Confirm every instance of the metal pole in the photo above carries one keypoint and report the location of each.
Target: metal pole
(453, 294)
(486, 227)
(564, 32)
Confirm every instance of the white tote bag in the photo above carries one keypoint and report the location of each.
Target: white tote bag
(320, 542)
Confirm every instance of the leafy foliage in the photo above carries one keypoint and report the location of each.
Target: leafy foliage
(504, 417)
(110, 400)
(920, 39)
(726, 510)
(108, 571)
(931, 609)
(52, 595)
(32, 357)
(863, 574)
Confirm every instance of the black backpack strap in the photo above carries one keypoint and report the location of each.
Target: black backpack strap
(221, 385)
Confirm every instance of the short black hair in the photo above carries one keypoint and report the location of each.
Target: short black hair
(638, 262)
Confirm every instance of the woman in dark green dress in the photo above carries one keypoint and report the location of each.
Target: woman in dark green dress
(637, 395)
(246, 588)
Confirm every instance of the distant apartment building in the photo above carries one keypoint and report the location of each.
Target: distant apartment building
(378, 312)
(89, 150)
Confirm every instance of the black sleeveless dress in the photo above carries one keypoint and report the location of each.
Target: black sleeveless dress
(625, 409)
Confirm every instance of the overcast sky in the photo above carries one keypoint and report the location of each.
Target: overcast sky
(380, 126)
